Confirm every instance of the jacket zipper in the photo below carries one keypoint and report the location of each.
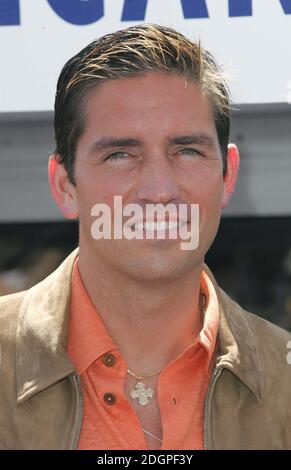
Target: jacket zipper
(215, 376)
(80, 393)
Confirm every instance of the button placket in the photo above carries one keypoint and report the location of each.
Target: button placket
(109, 360)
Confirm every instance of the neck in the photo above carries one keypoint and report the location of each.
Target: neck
(150, 322)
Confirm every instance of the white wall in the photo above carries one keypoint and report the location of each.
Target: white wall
(255, 49)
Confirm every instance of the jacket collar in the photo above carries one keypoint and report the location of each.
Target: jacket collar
(41, 338)
(238, 344)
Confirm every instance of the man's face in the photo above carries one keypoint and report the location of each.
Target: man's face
(153, 111)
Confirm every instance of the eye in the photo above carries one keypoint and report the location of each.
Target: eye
(116, 156)
(189, 151)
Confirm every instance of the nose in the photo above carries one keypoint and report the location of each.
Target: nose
(157, 182)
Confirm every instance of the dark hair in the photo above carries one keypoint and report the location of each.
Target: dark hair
(132, 52)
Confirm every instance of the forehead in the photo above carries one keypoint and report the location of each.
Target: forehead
(152, 103)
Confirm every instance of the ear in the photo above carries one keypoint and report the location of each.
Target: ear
(230, 178)
(63, 191)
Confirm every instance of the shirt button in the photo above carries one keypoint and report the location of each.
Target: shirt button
(109, 398)
(109, 360)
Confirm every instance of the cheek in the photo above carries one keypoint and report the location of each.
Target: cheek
(210, 206)
(100, 186)
(91, 192)
(206, 190)
(211, 211)
(94, 190)
(214, 194)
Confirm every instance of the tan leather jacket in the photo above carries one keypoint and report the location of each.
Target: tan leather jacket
(248, 404)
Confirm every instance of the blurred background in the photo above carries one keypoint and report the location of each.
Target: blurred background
(251, 257)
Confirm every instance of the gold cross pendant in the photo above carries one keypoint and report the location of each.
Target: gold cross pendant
(141, 393)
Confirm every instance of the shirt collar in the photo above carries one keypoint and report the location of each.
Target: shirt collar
(209, 333)
(88, 338)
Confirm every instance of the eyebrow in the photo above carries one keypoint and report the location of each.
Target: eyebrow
(200, 139)
(104, 143)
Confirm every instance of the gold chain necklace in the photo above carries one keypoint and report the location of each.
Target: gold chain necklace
(140, 392)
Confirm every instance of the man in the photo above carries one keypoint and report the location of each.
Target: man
(130, 343)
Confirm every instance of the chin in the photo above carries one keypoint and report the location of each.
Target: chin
(159, 269)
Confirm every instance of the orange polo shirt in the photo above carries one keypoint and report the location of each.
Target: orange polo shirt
(113, 424)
